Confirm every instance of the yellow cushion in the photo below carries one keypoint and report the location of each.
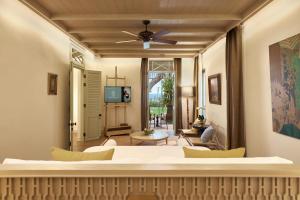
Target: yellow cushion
(64, 155)
(233, 153)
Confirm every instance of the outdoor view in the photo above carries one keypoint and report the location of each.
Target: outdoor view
(161, 91)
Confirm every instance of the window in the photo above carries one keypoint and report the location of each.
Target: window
(77, 59)
(161, 65)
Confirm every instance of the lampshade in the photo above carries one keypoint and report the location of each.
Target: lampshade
(187, 91)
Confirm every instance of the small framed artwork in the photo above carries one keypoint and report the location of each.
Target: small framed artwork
(214, 89)
(52, 84)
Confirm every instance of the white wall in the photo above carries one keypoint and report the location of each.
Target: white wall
(129, 67)
(30, 120)
(187, 72)
(213, 61)
(278, 21)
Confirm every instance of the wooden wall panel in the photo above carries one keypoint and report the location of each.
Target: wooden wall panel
(167, 188)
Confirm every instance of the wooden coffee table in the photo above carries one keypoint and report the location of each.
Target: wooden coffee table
(156, 136)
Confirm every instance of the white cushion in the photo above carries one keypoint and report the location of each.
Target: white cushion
(110, 142)
(143, 152)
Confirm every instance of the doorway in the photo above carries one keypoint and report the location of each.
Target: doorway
(85, 105)
(161, 89)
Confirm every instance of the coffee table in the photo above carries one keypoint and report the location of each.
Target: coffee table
(156, 136)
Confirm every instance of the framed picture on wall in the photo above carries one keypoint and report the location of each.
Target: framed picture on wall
(214, 89)
(52, 84)
(285, 86)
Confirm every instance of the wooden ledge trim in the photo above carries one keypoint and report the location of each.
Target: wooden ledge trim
(150, 170)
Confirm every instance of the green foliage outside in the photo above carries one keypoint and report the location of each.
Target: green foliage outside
(168, 90)
(155, 103)
(158, 110)
(159, 106)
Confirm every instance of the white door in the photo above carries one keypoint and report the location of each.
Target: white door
(76, 105)
(72, 122)
(92, 108)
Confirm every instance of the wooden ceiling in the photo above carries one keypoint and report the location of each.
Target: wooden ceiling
(97, 24)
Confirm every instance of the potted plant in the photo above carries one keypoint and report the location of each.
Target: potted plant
(148, 131)
(201, 119)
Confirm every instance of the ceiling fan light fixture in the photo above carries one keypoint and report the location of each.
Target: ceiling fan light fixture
(146, 45)
(147, 36)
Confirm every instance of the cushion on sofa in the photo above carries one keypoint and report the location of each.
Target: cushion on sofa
(110, 142)
(144, 153)
(161, 160)
(233, 153)
(64, 155)
(207, 134)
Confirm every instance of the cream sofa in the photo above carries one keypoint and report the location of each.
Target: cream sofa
(150, 172)
(153, 155)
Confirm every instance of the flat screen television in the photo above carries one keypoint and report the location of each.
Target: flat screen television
(117, 94)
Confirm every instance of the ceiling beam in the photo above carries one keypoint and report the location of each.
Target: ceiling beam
(257, 6)
(143, 51)
(140, 16)
(45, 14)
(115, 39)
(36, 7)
(234, 20)
(150, 53)
(152, 48)
(245, 16)
(181, 29)
(145, 56)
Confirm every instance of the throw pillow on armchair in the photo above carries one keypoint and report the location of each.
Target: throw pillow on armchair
(207, 134)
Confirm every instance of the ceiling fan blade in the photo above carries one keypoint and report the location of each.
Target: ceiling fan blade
(129, 33)
(164, 41)
(160, 33)
(126, 41)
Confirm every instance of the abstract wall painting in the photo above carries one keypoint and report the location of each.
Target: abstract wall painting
(285, 86)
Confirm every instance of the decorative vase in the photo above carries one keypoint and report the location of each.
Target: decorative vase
(202, 122)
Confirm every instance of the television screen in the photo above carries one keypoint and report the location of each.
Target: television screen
(117, 94)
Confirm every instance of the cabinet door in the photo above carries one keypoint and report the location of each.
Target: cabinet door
(92, 108)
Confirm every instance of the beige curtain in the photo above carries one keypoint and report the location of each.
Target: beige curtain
(234, 74)
(178, 104)
(196, 87)
(144, 93)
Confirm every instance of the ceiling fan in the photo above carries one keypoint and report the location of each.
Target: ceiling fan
(148, 36)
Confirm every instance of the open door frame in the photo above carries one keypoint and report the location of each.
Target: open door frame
(73, 122)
